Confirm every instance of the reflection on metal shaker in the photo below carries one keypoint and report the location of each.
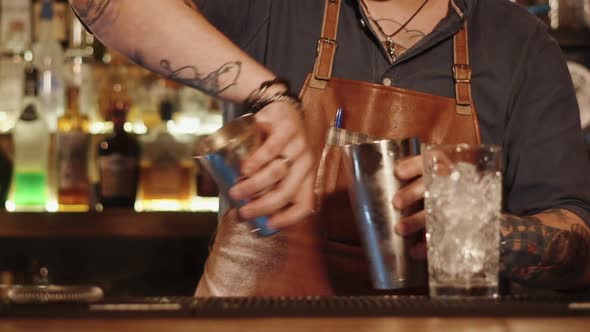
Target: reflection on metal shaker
(372, 186)
(221, 154)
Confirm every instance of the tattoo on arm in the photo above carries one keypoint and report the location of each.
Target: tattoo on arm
(537, 255)
(213, 83)
(90, 11)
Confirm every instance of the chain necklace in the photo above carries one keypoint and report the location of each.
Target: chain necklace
(389, 43)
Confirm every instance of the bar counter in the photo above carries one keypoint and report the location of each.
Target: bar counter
(431, 324)
(364, 313)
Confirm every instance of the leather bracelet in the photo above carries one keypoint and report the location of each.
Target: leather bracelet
(257, 99)
(276, 98)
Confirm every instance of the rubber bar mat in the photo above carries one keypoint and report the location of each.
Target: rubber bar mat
(369, 306)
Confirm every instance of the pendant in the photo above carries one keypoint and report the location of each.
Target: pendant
(391, 48)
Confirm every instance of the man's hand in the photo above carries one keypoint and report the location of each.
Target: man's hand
(278, 176)
(546, 250)
(411, 170)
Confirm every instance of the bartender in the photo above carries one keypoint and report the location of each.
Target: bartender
(452, 71)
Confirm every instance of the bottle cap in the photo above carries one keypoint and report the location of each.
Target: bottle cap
(47, 10)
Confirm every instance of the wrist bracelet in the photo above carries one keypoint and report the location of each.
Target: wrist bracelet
(277, 97)
(257, 99)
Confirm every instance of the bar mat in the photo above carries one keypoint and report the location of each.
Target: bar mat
(364, 306)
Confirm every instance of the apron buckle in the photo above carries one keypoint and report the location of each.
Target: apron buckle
(462, 73)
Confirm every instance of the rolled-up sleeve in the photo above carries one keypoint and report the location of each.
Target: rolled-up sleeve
(546, 162)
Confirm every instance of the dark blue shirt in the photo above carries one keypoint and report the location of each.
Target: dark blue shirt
(521, 85)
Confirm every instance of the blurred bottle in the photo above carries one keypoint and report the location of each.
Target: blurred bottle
(73, 140)
(5, 171)
(118, 163)
(11, 92)
(569, 14)
(29, 190)
(115, 88)
(49, 59)
(167, 170)
(15, 26)
(15, 39)
(59, 20)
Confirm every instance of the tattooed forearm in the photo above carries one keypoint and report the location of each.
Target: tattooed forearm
(537, 255)
(213, 83)
(91, 11)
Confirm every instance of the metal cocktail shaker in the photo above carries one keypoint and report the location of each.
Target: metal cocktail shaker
(372, 186)
(221, 154)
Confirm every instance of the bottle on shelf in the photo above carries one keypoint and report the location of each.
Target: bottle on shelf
(73, 140)
(48, 57)
(167, 170)
(15, 39)
(15, 26)
(118, 163)
(31, 138)
(114, 88)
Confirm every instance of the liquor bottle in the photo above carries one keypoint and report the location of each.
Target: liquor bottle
(167, 170)
(115, 87)
(15, 26)
(60, 24)
(29, 188)
(73, 185)
(49, 58)
(118, 163)
(11, 92)
(15, 39)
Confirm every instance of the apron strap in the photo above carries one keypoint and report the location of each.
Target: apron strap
(327, 45)
(462, 72)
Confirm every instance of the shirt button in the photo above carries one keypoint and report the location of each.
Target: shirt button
(363, 23)
(387, 81)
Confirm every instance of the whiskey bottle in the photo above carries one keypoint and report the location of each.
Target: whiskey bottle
(72, 156)
(167, 170)
(29, 187)
(118, 163)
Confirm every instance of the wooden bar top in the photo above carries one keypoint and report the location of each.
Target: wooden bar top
(303, 324)
(114, 223)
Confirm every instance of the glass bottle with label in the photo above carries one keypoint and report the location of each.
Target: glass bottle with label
(118, 163)
(73, 185)
(167, 170)
(29, 188)
(49, 59)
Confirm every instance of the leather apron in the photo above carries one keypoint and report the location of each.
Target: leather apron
(323, 255)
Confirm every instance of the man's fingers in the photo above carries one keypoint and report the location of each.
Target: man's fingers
(283, 194)
(301, 209)
(270, 174)
(260, 181)
(409, 168)
(409, 194)
(280, 134)
(411, 224)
